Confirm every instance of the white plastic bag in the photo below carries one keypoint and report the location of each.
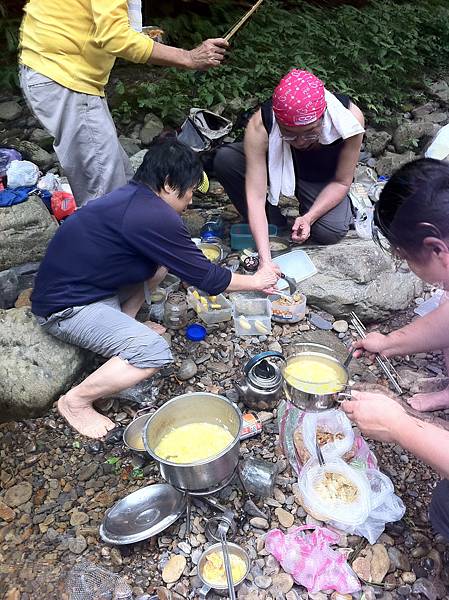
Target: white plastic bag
(49, 182)
(332, 421)
(349, 513)
(22, 173)
(363, 223)
(386, 508)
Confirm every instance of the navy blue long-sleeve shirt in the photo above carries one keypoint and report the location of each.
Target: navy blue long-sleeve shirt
(115, 241)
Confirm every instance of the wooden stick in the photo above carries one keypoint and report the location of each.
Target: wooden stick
(243, 20)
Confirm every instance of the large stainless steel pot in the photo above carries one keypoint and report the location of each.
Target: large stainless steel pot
(197, 407)
(296, 392)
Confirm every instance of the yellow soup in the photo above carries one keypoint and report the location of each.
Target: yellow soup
(315, 374)
(212, 253)
(193, 442)
(214, 570)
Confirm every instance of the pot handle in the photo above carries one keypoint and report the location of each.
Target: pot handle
(203, 591)
(259, 357)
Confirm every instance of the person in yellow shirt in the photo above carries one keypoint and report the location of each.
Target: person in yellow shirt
(67, 52)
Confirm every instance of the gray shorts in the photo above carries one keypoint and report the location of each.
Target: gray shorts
(85, 137)
(104, 329)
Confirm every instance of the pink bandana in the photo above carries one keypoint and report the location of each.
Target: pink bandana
(299, 99)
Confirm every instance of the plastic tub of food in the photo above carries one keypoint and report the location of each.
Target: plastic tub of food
(252, 316)
(288, 310)
(210, 309)
(241, 236)
(171, 283)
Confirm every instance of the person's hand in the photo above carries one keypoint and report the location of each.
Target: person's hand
(270, 264)
(209, 53)
(301, 230)
(376, 415)
(265, 279)
(374, 343)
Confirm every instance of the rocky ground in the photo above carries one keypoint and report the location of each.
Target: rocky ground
(57, 487)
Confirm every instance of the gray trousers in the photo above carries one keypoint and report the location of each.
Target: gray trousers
(85, 138)
(229, 167)
(104, 329)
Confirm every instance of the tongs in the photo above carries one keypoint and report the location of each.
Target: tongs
(383, 362)
(292, 285)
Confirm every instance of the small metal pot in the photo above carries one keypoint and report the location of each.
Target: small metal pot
(221, 590)
(133, 434)
(307, 401)
(204, 476)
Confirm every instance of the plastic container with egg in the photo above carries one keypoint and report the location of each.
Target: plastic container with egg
(252, 316)
(210, 309)
(288, 312)
(331, 500)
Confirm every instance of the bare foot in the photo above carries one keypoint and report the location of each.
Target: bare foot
(430, 401)
(159, 329)
(84, 419)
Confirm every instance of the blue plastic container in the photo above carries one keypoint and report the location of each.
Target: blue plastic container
(242, 238)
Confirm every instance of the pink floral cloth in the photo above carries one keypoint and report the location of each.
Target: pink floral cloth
(311, 561)
(299, 99)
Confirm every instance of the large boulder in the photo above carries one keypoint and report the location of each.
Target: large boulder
(9, 111)
(152, 127)
(14, 281)
(391, 162)
(25, 230)
(355, 275)
(31, 151)
(414, 134)
(35, 367)
(376, 141)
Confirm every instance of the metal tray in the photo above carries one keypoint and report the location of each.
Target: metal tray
(142, 514)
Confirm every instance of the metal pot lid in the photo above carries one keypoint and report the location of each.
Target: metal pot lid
(142, 514)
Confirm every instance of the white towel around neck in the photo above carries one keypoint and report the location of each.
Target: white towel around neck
(338, 122)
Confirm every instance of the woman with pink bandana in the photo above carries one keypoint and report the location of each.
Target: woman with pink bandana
(303, 142)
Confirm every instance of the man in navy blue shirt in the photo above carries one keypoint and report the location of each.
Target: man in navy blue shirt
(90, 283)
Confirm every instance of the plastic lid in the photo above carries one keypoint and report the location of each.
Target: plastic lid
(196, 332)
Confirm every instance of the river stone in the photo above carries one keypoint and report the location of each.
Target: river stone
(372, 564)
(440, 89)
(398, 559)
(285, 518)
(174, 568)
(77, 545)
(36, 368)
(426, 588)
(340, 326)
(130, 145)
(25, 230)
(355, 275)
(31, 151)
(412, 133)
(10, 110)
(78, 518)
(187, 369)
(282, 582)
(376, 141)
(152, 127)
(18, 494)
(391, 162)
(42, 138)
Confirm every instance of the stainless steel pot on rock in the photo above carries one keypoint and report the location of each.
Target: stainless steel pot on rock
(204, 476)
(298, 392)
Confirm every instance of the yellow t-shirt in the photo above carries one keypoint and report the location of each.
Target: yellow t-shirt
(76, 42)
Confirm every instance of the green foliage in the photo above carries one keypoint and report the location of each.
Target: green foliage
(9, 39)
(377, 55)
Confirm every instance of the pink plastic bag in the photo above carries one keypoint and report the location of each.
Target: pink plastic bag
(311, 561)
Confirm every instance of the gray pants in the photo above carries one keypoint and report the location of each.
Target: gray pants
(102, 328)
(85, 138)
(229, 167)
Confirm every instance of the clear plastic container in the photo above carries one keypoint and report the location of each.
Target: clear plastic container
(252, 316)
(210, 309)
(171, 283)
(283, 312)
(157, 302)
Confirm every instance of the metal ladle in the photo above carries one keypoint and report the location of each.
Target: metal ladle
(224, 523)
